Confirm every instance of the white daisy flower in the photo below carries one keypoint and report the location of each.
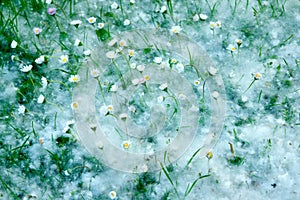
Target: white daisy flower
(110, 108)
(111, 54)
(160, 99)
(87, 52)
(21, 109)
(112, 195)
(95, 73)
(114, 88)
(41, 99)
(101, 25)
(74, 105)
(76, 23)
(163, 86)
(44, 82)
(26, 68)
(122, 43)
(231, 47)
(64, 59)
(91, 20)
(114, 5)
(176, 29)
(13, 44)
(135, 81)
(212, 25)
(163, 9)
(218, 24)
(133, 65)
(37, 30)
(140, 68)
(196, 82)
(238, 42)
(196, 18)
(74, 78)
(127, 22)
(157, 60)
(203, 17)
(257, 75)
(77, 42)
(131, 52)
(40, 60)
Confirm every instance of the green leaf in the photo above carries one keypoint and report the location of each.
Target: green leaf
(102, 34)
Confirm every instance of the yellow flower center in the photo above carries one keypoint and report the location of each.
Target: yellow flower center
(147, 78)
(126, 145)
(74, 105)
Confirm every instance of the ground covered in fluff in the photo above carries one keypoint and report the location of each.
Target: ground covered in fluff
(46, 47)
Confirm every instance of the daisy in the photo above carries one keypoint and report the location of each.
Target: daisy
(87, 52)
(196, 82)
(160, 99)
(114, 5)
(126, 144)
(218, 24)
(110, 108)
(239, 42)
(40, 60)
(77, 43)
(95, 73)
(257, 76)
(76, 23)
(140, 68)
(114, 88)
(37, 30)
(127, 22)
(209, 155)
(122, 43)
(231, 47)
(64, 59)
(157, 60)
(112, 195)
(176, 29)
(41, 99)
(101, 25)
(44, 82)
(74, 78)
(21, 109)
(212, 25)
(146, 77)
(130, 52)
(92, 20)
(135, 81)
(74, 105)
(13, 44)
(203, 17)
(163, 86)
(133, 66)
(26, 68)
(196, 18)
(111, 54)
(163, 9)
